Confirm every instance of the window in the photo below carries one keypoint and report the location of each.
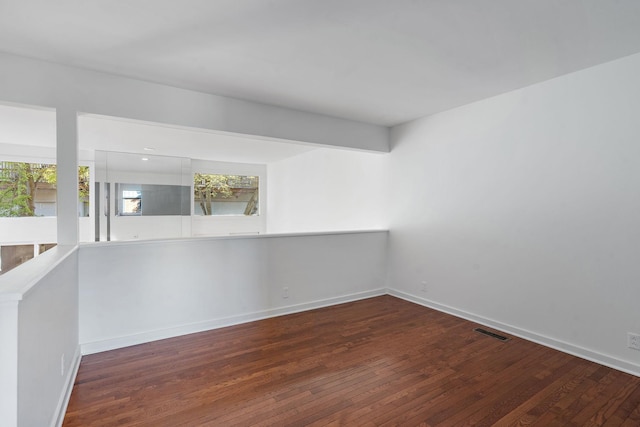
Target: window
(152, 200)
(28, 205)
(12, 256)
(84, 184)
(216, 194)
(29, 189)
(131, 202)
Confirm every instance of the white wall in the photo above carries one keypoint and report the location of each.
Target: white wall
(40, 351)
(28, 230)
(31, 230)
(524, 210)
(146, 227)
(9, 361)
(328, 189)
(48, 344)
(132, 292)
(33, 82)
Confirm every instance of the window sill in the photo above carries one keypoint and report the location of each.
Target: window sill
(228, 237)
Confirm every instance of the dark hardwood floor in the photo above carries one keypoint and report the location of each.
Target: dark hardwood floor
(376, 362)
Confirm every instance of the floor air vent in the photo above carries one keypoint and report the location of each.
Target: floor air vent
(491, 334)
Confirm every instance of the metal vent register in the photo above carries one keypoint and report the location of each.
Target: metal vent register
(491, 334)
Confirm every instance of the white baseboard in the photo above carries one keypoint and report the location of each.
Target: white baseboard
(562, 346)
(69, 380)
(129, 340)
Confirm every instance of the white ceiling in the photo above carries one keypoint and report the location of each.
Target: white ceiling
(378, 61)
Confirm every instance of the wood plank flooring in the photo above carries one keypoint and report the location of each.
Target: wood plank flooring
(377, 362)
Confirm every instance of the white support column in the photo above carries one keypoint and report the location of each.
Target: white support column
(67, 187)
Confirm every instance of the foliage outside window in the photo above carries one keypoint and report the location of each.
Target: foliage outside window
(216, 194)
(83, 190)
(29, 189)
